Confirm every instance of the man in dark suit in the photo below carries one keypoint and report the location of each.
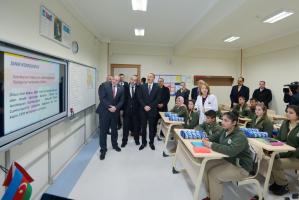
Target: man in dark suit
(149, 98)
(131, 112)
(125, 85)
(183, 92)
(196, 91)
(237, 91)
(263, 94)
(111, 100)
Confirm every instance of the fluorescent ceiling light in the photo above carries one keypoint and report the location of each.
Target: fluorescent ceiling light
(278, 17)
(139, 32)
(140, 5)
(231, 39)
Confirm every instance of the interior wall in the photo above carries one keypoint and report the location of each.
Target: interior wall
(275, 62)
(160, 60)
(19, 21)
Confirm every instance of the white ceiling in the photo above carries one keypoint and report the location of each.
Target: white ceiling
(186, 24)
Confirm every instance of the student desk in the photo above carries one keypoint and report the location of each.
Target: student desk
(274, 151)
(193, 163)
(278, 117)
(243, 121)
(165, 127)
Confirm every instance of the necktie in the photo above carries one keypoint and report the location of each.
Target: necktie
(149, 89)
(113, 91)
(132, 91)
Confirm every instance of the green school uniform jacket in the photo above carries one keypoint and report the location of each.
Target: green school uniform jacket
(264, 125)
(245, 110)
(181, 111)
(210, 128)
(291, 139)
(192, 120)
(252, 114)
(235, 145)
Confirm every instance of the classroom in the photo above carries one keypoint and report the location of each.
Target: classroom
(147, 99)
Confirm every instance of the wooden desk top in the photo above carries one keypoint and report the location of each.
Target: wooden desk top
(166, 120)
(269, 147)
(187, 143)
(278, 117)
(245, 119)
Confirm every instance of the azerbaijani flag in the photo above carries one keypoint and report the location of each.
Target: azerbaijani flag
(18, 183)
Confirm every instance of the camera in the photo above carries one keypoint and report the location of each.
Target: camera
(291, 87)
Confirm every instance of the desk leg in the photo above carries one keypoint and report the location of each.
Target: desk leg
(199, 179)
(268, 175)
(174, 170)
(160, 123)
(167, 138)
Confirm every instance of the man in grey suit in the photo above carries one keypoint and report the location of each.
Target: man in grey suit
(111, 100)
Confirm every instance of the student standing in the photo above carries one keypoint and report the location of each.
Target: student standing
(237, 91)
(261, 120)
(111, 101)
(210, 126)
(288, 133)
(263, 94)
(149, 97)
(131, 112)
(192, 118)
(183, 92)
(205, 102)
(232, 142)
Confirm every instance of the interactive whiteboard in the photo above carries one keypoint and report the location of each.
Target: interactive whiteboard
(81, 87)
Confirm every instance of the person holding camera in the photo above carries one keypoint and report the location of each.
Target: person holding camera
(291, 94)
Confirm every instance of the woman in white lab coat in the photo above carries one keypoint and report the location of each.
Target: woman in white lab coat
(205, 102)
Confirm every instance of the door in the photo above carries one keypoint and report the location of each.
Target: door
(126, 69)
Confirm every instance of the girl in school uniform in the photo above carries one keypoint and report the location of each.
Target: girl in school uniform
(232, 142)
(205, 101)
(242, 108)
(192, 118)
(261, 120)
(288, 133)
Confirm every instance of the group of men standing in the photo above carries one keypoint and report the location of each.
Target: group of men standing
(140, 103)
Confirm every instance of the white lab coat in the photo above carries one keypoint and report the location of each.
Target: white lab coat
(210, 104)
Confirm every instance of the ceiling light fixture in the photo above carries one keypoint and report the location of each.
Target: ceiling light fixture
(139, 32)
(139, 5)
(278, 17)
(231, 39)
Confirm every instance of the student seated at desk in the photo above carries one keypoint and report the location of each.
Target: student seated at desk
(288, 133)
(232, 142)
(210, 126)
(242, 108)
(252, 105)
(193, 117)
(180, 108)
(261, 120)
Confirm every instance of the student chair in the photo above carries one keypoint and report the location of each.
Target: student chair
(252, 179)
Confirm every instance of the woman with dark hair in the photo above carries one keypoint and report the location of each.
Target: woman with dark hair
(288, 133)
(232, 142)
(242, 108)
(261, 120)
(192, 118)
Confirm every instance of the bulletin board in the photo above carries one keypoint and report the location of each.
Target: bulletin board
(172, 81)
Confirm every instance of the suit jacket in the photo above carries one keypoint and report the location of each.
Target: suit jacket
(152, 100)
(131, 104)
(125, 86)
(106, 98)
(165, 96)
(194, 93)
(264, 96)
(184, 94)
(235, 94)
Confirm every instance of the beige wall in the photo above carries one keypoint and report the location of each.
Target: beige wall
(19, 22)
(277, 63)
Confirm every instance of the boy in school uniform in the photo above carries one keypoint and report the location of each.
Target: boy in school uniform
(210, 126)
(288, 133)
(242, 108)
(252, 105)
(180, 108)
(230, 141)
(261, 120)
(193, 117)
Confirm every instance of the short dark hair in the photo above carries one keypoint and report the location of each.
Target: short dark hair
(143, 80)
(263, 82)
(211, 113)
(121, 74)
(253, 99)
(233, 116)
(241, 97)
(241, 78)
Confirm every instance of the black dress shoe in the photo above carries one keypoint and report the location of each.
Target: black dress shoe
(273, 187)
(152, 146)
(281, 190)
(102, 155)
(117, 149)
(142, 146)
(137, 142)
(123, 144)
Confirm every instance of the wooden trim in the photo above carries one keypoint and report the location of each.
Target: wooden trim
(215, 80)
(113, 66)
